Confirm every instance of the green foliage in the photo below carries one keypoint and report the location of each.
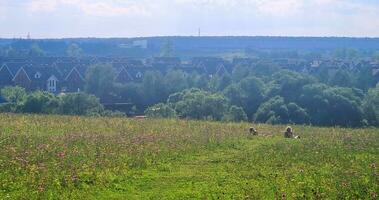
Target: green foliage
(342, 78)
(264, 68)
(80, 104)
(100, 80)
(15, 97)
(235, 114)
(365, 80)
(240, 72)
(198, 104)
(289, 84)
(13, 94)
(130, 92)
(346, 53)
(167, 49)
(74, 50)
(332, 105)
(248, 94)
(40, 102)
(153, 87)
(47, 103)
(219, 83)
(160, 111)
(276, 111)
(175, 81)
(371, 106)
(35, 51)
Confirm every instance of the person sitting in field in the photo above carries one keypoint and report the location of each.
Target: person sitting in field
(253, 131)
(289, 133)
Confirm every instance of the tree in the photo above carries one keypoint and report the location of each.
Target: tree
(276, 111)
(100, 81)
(273, 111)
(15, 96)
(331, 106)
(264, 69)
(175, 81)
(345, 53)
(371, 106)
(40, 102)
(297, 114)
(252, 94)
(365, 79)
(74, 50)
(240, 72)
(342, 78)
(235, 94)
(36, 51)
(219, 83)
(167, 49)
(79, 104)
(235, 114)
(289, 84)
(160, 111)
(199, 104)
(154, 90)
(130, 93)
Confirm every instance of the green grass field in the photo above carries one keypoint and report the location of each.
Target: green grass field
(55, 157)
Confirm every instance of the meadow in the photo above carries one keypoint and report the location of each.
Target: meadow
(63, 157)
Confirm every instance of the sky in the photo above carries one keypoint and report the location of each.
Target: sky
(140, 18)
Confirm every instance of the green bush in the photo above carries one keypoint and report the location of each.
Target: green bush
(160, 111)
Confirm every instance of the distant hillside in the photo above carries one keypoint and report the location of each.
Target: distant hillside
(194, 46)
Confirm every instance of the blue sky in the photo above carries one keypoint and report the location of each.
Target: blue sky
(133, 18)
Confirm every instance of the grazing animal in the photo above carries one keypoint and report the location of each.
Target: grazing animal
(289, 133)
(253, 131)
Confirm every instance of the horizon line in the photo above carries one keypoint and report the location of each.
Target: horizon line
(185, 36)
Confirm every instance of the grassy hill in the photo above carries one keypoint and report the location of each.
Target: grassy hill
(109, 158)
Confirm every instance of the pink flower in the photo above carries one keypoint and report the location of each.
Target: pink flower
(61, 154)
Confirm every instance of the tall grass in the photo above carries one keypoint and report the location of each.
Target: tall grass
(61, 157)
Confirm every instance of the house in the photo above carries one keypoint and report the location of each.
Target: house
(212, 66)
(6, 76)
(65, 74)
(122, 73)
(74, 80)
(244, 61)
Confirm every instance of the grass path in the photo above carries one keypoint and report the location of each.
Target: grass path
(253, 170)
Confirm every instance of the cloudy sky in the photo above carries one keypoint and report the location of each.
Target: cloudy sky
(131, 18)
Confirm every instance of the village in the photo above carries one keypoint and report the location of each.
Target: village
(67, 74)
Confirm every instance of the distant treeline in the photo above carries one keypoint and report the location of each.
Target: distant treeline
(191, 46)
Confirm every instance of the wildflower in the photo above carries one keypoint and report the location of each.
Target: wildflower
(61, 154)
(374, 195)
(373, 166)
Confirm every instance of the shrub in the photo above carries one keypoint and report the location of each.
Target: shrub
(235, 114)
(160, 111)
(79, 104)
(40, 102)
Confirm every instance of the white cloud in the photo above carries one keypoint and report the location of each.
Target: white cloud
(183, 17)
(42, 5)
(280, 7)
(90, 7)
